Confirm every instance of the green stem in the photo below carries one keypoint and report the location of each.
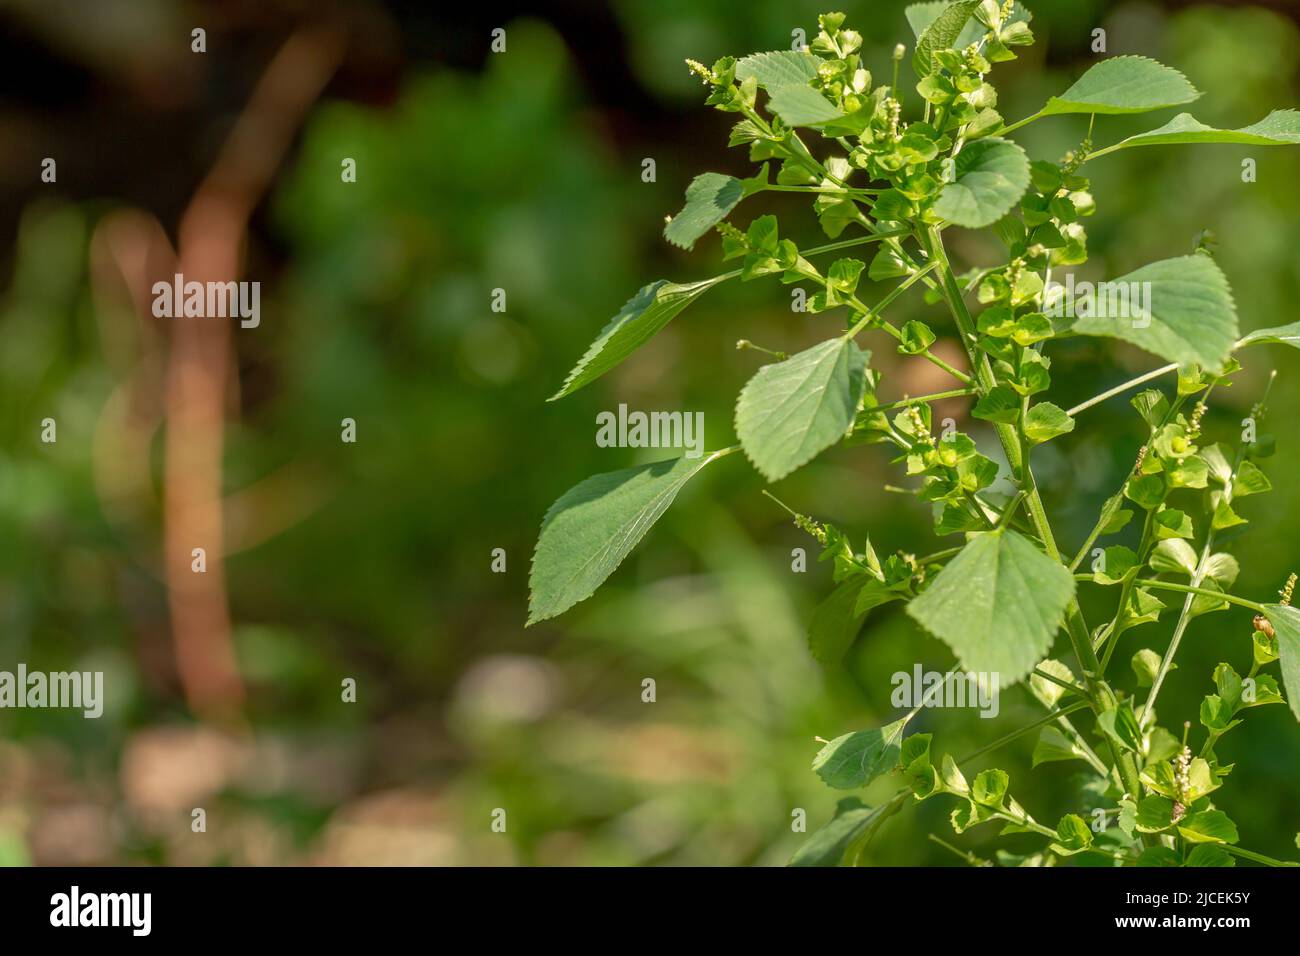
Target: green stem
(1021, 731)
(1093, 535)
(965, 855)
(1059, 682)
(1255, 857)
(1187, 589)
(1024, 122)
(873, 314)
(935, 397)
(1120, 389)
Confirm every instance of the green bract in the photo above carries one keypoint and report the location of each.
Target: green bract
(887, 166)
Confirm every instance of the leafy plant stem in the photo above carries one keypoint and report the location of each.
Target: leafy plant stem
(1100, 696)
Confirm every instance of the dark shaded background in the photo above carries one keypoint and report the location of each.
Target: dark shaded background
(522, 171)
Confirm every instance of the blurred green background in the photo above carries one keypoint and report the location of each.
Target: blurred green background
(522, 170)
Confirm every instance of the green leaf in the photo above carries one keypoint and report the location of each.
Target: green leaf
(1116, 562)
(854, 760)
(1207, 854)
(1208, 826)
(1216, 714)
(1278, 335)
(1225, 517)
(921, 15)
(593, 526)
(997, 604)
(991, 176)
(1154, 814)
(1053, 745)
(1046, 691)
(851, 829)
(1146, 664)
(1158, 856)
(1072, 835)
(915, 337)
(1151, 405)
(1173, 555)
(940, 34)
(778, 68)
(1250, 481)
(709, 198)
(990, 788)
(791, 411)
(1121, 726)
(641, 317)
(1001, 404)
(1187, 313)
(1146, 491)
(1124, 84)
(1045, 421)
(1286, 624)
(1172, 523)
(1279, 128)
(837, 620)
(798, 104)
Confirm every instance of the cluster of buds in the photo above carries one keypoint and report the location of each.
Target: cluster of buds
(1194, 426)
(1288, 592)
(894, 115)
(1015, 268)
(918, 426)
(1075, 158)
(973, 61)
(703, 72)
(806, 524)
(1182, 780)
(1142, 456)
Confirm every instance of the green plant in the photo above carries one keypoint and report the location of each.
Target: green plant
(998, 600)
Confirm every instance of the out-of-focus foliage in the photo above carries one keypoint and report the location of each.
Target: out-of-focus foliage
(515, 178)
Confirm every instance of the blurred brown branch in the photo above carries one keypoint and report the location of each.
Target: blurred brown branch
(194, 377)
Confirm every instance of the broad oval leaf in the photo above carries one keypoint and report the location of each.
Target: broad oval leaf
(997, 604)
(791, 411)
(798, 104)
(1279, 128)
(991, 176)
(1286, 624)
(1124, 84)
(653, 307)
(709, 198)
(594, 525)
(854, 760)
(1180, 309)
(778, 68)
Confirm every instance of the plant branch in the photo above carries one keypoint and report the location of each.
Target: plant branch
(1120, 389)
